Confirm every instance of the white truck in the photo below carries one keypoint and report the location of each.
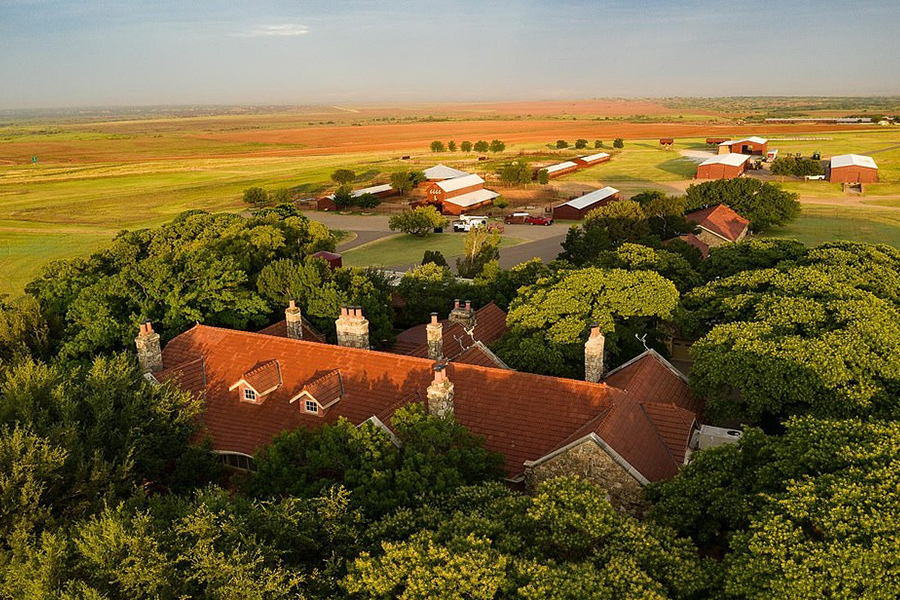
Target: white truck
(466, 223)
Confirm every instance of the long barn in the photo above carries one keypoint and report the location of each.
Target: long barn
(576, 208)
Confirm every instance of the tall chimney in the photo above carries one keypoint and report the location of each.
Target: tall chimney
(434, 332)
(352, 328)
(465, 316)
(148, 349)
(294, 321)
(593, 355)
(440, 393)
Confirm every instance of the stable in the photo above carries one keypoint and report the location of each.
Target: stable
(442, 173)
(750, 145)
(723, 166)
(560, 169)
(853, 168)
(591, 160)
(576, 208)
(460, 194)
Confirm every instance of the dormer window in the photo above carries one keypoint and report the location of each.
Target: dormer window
(320, 393)
(255, 384)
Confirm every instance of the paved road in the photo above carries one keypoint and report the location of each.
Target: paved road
(363, 237)
(547, 249)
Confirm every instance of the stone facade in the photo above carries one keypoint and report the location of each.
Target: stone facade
(352, 328)
(592, 463)
(294, 321)
(714, 241)
(593, 356)
(440, 393)
(149, 350)
(435, 335)
(464, 315)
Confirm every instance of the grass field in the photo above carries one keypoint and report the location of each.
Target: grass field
(94, 179)
(818, 224)
(402, 249)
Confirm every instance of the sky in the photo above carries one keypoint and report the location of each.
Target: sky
(56, 53)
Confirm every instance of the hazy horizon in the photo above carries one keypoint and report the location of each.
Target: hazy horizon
(121, 53)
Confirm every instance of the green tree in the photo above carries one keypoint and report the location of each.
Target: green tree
(282, 196)
(256, 196)
(419, 221)
(401, 182)
(434, 257)
(481, 146)
(797, 167)
(481, 247)
(343, 177)
(466, 146)
(366, 201)
(343, 196)
(624, 221)
(426, 289)
(438, 146)
(543, 177)
(581, 143)
(417, 177)
(23, 331)
(451, 146)
(598, 144)
(550, 320)
(515, 173)
(635, 257)
(562, 144)
(435, 456)
(764, 204)
(618, 143)
(497, 146)
(665, 213)
(755, 253)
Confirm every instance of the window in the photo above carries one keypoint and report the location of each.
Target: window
(237, 461)
(249, 395)
(312, 406)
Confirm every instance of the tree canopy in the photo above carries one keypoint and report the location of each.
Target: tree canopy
(419, 221)
(764, 204)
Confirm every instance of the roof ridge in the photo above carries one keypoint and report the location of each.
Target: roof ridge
(261, 366)
(321, 377)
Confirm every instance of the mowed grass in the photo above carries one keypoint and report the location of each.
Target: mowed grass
(22, 254)
(819, 224)
(403, 249)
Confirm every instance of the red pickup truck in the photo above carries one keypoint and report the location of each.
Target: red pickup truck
(539, 220)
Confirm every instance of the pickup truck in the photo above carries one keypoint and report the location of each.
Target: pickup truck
(539, 220)
(466, 223)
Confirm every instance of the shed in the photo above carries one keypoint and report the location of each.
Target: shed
(750, 145)
(559, 169)
(666, 141)
(853, 168)
(591, 159)
(577, 208)
(332, 258)
(723, 166)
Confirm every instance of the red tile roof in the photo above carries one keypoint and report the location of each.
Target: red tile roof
(490, 325)
(720, 220)
(694, 241)
(521, 415)
(479, 354)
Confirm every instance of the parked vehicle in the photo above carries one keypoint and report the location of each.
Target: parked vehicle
(539, 220)
(466, 223)
(518, 218)
(815, 177)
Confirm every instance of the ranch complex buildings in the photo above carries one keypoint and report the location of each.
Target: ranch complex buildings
(853, 168)
(576, 208)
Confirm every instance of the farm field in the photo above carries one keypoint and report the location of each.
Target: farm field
(404, 249)
(95, 178)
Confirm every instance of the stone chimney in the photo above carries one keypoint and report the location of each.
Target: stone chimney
(148, 349)
(435, 334)
(294, 321)
(593, 355)
(440, 393)
(465, 316)
(352, 328)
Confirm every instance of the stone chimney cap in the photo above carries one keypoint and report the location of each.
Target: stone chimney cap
(595, 330)
(146, 327)
(440, 372)
(456, 303)
(468, 305)
(434, 318)
(292, 304)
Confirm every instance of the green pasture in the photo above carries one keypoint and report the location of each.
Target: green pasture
(403, 249)
(819, 224)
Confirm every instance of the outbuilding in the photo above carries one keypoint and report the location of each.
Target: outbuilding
(442, 173)
(718, 225)
(723, 166)
(576, 208)
(459, 195)
(379, 191)
(853, 168)
(591, 159)
(334, 260)
(750, 145)
(559, 169)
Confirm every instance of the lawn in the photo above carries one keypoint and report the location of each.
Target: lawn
(403, 249)
(819, 224)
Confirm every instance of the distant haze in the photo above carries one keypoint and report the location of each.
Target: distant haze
(56, 53)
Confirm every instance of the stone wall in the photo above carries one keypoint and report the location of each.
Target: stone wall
(591, 462)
